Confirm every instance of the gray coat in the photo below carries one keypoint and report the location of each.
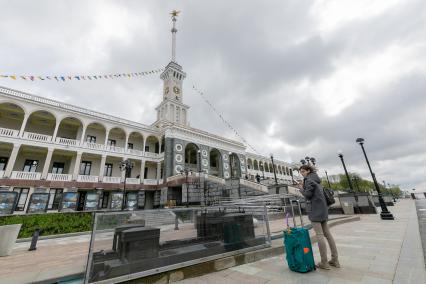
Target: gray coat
(316, 206)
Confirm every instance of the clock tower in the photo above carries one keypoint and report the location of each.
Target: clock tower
(172, 110)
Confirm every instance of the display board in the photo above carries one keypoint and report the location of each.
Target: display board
(132, 201)
(38, 203)
(8, 200)
(69, 201)
(116, 200)
(91, 202)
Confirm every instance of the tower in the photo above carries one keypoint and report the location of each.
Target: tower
(171, 109)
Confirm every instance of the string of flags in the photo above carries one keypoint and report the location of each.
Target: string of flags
(223, 119)
(63, 78)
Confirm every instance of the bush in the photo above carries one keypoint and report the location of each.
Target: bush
(50, 224)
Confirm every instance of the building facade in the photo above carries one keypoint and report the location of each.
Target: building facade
(73, 155)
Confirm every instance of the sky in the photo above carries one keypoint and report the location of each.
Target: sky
(296, 78)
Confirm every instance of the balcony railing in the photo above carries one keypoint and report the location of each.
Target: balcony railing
(115, 149)
(135, 152)
(25, 175)
(94, 146)
(84, 178)
(58, 177)
(111, 179)
(37, 137)
(8, 132)
(66, 141)
(133, 181)
(148, 181)
(152, 155)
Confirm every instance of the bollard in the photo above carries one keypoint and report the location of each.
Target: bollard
(34, 239)
(176, 223)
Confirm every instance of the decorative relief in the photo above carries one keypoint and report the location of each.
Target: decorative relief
(178, 158)
(206, 171)
(243, 168)
(225, 157)
(242, 161)
(178, 169)
(205, 162)
(226, 174)
(204, 153)
(225, 166)
(178, 147)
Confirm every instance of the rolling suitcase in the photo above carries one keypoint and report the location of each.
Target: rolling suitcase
(298, 246)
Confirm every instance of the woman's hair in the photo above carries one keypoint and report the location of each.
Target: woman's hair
(308, 168)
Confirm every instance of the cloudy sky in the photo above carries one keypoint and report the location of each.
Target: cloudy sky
(294, 77)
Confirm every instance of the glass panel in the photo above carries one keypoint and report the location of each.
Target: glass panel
(116, 200)
(58, 168)
(30, 166)
(22, 198)
(85, 168)
(108, 170)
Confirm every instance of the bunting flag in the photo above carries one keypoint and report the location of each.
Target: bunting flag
(64, 78)
(223, 119)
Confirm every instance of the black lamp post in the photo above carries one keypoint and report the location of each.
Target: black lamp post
(185, 172)
(275, 174)
(346, 172)
(328, 181)
(126, 166)
(385, 214)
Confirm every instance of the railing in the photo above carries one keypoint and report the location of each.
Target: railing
(84, 178)
(37, 136)
(8, 132)
(148, 181)
(115, 149)
(152, 155)
(58, 177)
(25, 175)
(111, 179)
(254, 185)
(94, 146)
(1, 174)
(135, 152)
(133, 181)
(66, 141)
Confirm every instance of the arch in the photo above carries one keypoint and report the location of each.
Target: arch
(152, 144)
(117, 137)
(255, 165)
(234, 162)
(191, 156)
(135, 141)
(11, 115)
(216, 167)
(41, 122)
(95, 133)
(249, 164)
(70, 128)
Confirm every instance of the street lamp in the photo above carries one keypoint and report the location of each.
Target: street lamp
(385, 214)
(275, 174)
(185, 172)
(328, 181)
(126, 166)
(340, 154)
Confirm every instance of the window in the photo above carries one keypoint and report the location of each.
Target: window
(22, 198)
(30, 166)
(129, 145)
(146, 148)
(58, 168)
(55, 198)
(91, 139)
(108, 170)
(3, 163)
(85, 168)
(112, 142)
(104, 201)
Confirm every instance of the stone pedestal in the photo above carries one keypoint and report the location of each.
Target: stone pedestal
(9, 234)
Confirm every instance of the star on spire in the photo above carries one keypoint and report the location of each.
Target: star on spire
(175, 13)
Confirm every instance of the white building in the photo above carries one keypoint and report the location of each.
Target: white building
(47, 146)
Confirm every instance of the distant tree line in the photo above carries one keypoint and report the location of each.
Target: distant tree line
(360, 185)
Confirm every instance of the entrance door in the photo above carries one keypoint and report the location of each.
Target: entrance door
(149, 199)
(81, 199)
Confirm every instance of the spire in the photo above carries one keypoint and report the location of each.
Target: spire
(174, 14)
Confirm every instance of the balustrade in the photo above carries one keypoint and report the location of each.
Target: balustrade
(84, 178)
(25, 175)
(37, 136)
(8, 132)
(59, 177)
(111, 179)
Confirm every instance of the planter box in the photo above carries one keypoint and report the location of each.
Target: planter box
(9, 234)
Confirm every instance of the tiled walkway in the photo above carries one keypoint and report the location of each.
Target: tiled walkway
(371, 251)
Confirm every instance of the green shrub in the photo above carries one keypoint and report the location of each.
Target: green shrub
(50, 224)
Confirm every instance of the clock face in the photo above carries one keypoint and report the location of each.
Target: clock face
(176, 90)
(166, 90)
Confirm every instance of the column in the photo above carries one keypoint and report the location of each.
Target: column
(83, 134)
(142, 174)
(102, 168)
(126, 142)
(159, 147)
(106, 138)
(12, 160)
(77, 165)
(144, 145)
(158, 172)
(24, 123)
(55, 133)
(47, 163)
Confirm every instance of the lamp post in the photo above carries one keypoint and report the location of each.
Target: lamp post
(328, 181)
(340, 154)
(185, 172)
(275, 174)
(126, 166)
(385, 214)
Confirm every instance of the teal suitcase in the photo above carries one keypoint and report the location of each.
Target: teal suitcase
(298, 247)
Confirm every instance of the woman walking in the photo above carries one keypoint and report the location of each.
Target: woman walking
(317, 210)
